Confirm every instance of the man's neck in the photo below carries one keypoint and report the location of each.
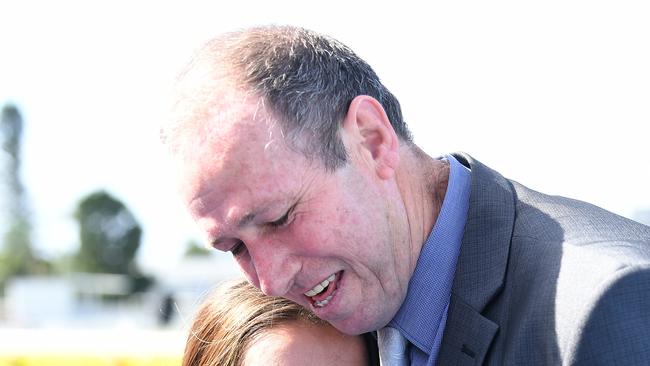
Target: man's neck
(422, 181)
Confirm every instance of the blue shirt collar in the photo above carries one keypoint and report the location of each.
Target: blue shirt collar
(425, 307)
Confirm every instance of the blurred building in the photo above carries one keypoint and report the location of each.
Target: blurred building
(189, 281)
(79, 300)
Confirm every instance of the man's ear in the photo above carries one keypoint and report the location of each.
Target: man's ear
(369, 130)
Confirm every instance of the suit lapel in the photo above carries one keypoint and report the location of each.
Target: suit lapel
(467, 337)
(481, 266)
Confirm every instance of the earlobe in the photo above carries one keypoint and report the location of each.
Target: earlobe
(368, 124)
(388, 166)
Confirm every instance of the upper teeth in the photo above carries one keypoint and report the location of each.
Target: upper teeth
(321, 286)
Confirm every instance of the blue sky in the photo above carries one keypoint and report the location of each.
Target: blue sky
(553, 94)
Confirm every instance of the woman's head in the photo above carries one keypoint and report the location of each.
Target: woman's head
(240, 326)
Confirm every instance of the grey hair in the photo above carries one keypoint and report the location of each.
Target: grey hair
(306, 82)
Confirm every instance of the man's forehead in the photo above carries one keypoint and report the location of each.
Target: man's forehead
(244, 164)
(225, 113)
(227, 127)
(211, 98)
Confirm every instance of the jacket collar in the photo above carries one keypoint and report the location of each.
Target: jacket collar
(484, 250)
(481, 267)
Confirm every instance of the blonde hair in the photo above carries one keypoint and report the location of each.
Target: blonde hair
(231, 318)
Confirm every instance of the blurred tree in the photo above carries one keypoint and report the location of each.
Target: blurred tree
(194, 249)
(17, 256)
(110, 238)
(109, 234)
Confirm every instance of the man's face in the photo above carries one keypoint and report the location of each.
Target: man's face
(332, 242)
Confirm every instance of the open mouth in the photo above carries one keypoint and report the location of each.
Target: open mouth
(323, 292)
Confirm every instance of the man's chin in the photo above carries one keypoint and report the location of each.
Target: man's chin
(352, 327)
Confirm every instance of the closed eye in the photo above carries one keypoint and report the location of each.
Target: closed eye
(282, 220)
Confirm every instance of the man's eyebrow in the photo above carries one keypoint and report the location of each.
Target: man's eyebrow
(260, 210)
(240, 223)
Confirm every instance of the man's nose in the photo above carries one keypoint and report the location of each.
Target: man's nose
(276, 269)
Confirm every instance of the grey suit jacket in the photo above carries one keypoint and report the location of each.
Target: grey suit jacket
(546, 280)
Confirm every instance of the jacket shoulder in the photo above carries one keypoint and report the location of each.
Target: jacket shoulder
(615, 327)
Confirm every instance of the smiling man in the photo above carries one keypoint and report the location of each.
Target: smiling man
(294, 157)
